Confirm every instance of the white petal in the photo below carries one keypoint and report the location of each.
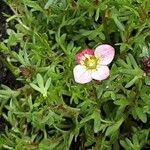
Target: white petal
(81, 75)
(106, 53)
(101, 74)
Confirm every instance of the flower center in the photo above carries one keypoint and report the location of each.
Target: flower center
(90, 62)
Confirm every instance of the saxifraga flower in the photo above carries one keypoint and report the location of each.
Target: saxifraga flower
(93, 64)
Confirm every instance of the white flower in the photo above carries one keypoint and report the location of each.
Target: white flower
(93, 64)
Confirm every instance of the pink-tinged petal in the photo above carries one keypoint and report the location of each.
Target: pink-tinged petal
(102, 73)
(81, 75)
(82, 54)
(79, 57)
(88, 51)
(106, 53)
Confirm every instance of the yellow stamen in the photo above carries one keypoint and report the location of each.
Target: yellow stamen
(90, 62)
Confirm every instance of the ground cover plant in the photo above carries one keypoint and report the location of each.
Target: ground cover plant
(42, 107)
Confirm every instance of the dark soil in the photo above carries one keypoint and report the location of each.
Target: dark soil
(6, 77)
(4, 9)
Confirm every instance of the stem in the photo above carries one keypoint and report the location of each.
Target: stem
(17, 18)
(9, 66)
(104, 21)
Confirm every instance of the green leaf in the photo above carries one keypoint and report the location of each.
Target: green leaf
(142, 116)
(40, 81)
(33, 4)
(118, 23)
(129, 84)
(47, 85)
(49, 3)
(97, 14)
(84, 120)
(133, 61)
(35, 87)
(49, 144)
(147, 80)
(113, 128)
(97, 121)
(145, 51)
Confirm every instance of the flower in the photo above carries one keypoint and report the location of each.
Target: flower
(93, 64)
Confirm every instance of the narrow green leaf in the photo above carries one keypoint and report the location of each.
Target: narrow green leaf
(118, 23)
(129, 84)
(97, 14)
(97, 121)
(48, 4)
(33, 4)
(47, 85)
(35, 87)
(133, 61)
(40, 81)
(147, 80)
(112, 129)
(142, 116)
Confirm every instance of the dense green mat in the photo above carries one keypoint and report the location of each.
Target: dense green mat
(53, 112)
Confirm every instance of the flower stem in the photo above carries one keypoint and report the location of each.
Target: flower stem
(13, 69)
(104, 20)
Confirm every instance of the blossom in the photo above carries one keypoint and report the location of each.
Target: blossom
(93, 64)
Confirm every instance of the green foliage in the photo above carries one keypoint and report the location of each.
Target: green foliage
(51, 111)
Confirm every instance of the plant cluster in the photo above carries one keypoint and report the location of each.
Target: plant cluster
(50, 111)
